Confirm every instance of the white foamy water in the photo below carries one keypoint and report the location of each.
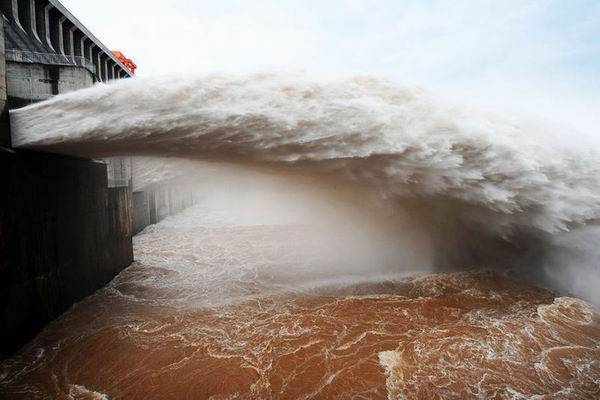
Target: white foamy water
(483, 186)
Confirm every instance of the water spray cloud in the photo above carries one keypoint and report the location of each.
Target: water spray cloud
(481, 183)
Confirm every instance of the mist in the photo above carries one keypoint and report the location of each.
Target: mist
(341, 231)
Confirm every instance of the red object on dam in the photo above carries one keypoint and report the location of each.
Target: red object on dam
(127, 62)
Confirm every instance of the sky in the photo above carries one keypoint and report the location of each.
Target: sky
(541, 57)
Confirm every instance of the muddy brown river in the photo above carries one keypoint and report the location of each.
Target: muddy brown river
(225, 309)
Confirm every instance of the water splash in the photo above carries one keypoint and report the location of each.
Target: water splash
(482, 185)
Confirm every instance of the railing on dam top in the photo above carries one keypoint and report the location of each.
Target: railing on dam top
(49, 58)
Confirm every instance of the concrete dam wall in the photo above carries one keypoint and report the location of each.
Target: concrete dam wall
(64, 233)
(157, 202)
(66, 223)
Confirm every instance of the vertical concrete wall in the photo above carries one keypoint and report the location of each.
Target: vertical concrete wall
(141, 211)
(63, 235)
(119, 171)
(71, 78)
(4, 121)
(29, 83)
(157, 202)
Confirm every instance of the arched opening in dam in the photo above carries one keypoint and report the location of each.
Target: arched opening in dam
(349, 239)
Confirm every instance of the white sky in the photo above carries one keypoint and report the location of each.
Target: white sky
(539, 56)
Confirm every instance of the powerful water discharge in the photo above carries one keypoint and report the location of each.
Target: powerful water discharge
(354, 239)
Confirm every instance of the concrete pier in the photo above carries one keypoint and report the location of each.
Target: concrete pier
(63, 234)
(156, 202)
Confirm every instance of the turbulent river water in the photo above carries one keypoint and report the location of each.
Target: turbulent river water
(218, 306)
(357, 239)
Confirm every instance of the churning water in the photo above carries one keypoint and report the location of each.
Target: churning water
(320, 262)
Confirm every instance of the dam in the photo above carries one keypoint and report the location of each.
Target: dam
(66, 223)
(282, 236)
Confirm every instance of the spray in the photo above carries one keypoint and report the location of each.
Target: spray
(487, 189)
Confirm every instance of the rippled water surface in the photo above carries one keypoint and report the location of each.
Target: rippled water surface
(217, 307)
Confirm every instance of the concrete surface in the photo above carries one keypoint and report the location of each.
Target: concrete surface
(157, 202)
(63, 235)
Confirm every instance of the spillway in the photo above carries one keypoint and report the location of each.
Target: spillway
(323, 258)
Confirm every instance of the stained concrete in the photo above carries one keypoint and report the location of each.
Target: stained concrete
(27, 33)
(4, 120)
(30, 83)
(63, 235)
